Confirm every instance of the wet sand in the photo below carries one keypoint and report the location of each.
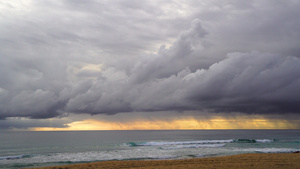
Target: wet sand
(243, 161)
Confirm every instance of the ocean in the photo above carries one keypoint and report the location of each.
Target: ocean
(34, 149)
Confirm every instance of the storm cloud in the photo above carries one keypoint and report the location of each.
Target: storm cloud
(98, 57)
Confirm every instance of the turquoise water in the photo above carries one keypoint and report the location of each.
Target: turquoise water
(31, 149)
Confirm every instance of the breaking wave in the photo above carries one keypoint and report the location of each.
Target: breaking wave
(198, 143)
(253, 140)
(14, 157)
(154, 143)
(194, 146)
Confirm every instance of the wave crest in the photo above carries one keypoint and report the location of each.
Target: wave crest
(156, 143)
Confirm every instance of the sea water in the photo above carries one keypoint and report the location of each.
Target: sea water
(33, 149)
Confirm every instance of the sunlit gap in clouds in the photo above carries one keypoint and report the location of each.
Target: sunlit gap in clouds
(178, 124)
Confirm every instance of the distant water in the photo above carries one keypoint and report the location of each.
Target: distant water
(32, 149)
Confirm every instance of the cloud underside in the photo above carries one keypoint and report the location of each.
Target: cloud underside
(214, 63)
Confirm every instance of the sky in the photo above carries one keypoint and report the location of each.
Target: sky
(149, 64)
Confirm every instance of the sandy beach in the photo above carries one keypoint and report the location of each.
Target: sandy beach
(279, 160)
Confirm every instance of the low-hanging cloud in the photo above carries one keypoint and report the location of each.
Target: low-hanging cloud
(21, 123)
(243, 82)
(219, 66)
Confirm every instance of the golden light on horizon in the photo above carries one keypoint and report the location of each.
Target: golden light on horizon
(180, 124)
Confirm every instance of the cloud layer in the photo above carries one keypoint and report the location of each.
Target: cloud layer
(60, 57)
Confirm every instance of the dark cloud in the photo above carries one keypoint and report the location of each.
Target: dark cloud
(244, 82)
(249, 82)
(60, 57)
(21, 123)
(171, 61)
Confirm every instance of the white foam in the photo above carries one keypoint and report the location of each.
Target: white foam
(194, 146)
(184, 142)
(199, 155)
(136, 153)
(165, 157)
(270, 150)
(264, 140)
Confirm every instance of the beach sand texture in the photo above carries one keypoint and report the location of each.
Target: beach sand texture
(242, 161)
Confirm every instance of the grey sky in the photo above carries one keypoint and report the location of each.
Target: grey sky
(106, 57)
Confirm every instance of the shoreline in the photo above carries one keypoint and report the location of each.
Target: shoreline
(253, 160)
